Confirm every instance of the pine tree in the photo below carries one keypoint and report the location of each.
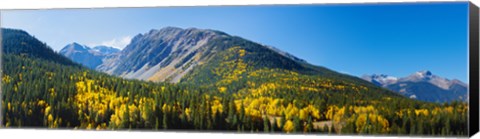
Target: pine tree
(165, 121)
(265, 124)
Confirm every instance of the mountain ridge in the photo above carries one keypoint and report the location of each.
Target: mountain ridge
(422, 85)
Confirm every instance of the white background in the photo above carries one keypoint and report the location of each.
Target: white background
(71, 134)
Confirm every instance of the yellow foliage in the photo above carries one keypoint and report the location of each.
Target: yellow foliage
(222, 89)
(188, 112)
(50, 118)
(6, 79)
(303, 114)
(216, 107)
(279, 123)
(330, 112)
(93, 102)
(232, 69)
(309, 110)
(144, 110)
(367, 109)
(47, 110)
(274, 108)
(449, 109)
(241, 52)
(368, 118)
(52, 92)
(339, 115)
(291, 111)
(288, 127)
(166, 108)
(9, 107)
(132, 112)
(423, 112)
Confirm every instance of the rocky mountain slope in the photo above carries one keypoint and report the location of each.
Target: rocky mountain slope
(169, 53)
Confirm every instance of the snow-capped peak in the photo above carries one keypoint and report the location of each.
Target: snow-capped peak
(77, 46)
(380, 79)
(423, 74)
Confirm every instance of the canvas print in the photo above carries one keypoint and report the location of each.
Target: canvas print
(361, 69)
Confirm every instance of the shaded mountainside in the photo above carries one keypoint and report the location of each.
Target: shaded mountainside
(423, 85)
(89, 57)
(19, 42)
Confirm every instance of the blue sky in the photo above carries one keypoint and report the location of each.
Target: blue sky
(393, 39)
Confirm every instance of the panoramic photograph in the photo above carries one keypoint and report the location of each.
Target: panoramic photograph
(342, 69)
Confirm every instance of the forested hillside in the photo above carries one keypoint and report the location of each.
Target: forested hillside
(19, 42)
(240, 90)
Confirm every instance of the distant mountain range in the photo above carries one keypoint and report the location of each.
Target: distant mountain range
(89, 57)
(422, 85)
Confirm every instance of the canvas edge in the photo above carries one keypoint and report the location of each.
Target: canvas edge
(473, 41)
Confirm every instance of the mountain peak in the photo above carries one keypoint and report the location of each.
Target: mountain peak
(428, 76)
(166, 29)
(171, 28)
(72, 47)
(380, 79)
(424, 73)
(170, 33)
(74, 43)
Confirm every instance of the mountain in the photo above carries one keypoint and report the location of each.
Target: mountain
(19, 42)
(89, 57)
(161, 54)
(423, 85)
